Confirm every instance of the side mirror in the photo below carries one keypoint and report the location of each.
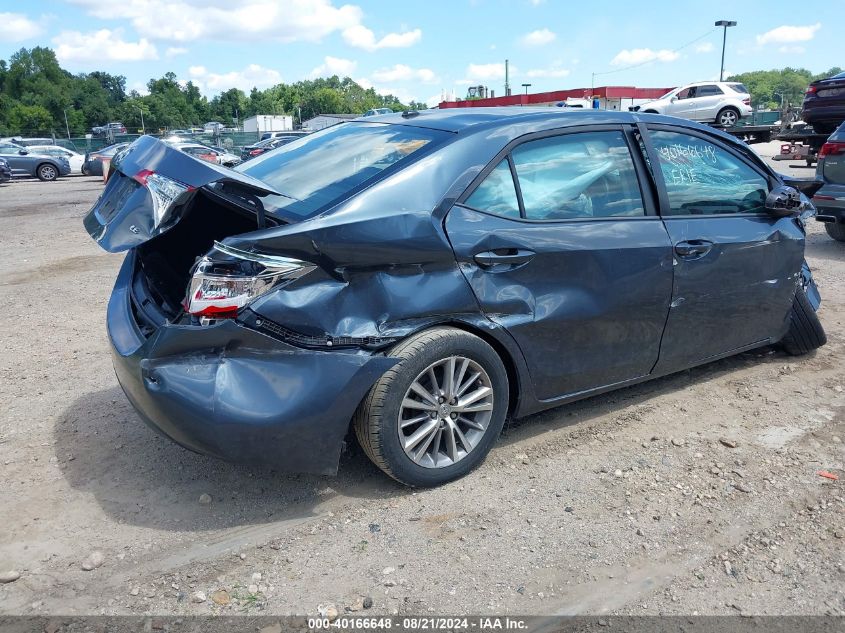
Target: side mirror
(784, 201)
(673, 99)
(23, 152)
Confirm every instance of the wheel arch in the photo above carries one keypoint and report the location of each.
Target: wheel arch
(51, 164)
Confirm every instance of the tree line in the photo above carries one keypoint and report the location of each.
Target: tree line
(780, 88)
(39, 97)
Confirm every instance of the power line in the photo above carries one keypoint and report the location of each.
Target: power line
(649, 61)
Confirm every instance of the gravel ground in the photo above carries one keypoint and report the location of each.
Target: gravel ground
(693, 494)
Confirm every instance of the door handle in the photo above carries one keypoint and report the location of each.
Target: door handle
(509, 256)
(693, 249)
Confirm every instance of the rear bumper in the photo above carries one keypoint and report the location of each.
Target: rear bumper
(822, 113)
(236, 394)
(830, 204)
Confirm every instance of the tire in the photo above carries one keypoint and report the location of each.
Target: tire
(47, 172)
(727, 117)
(85, 171)
(377, 420)
(836, 231)
(805, 330)
(823, 128)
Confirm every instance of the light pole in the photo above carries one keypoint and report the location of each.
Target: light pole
(724, 24)
(143, 128)
(526, 86)
(67, 127)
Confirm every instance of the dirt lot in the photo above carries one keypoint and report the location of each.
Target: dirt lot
(696, 493)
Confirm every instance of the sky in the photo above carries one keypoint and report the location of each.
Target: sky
(423, 50)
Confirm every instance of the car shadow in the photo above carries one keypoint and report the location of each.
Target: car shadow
(823, 246)
(142, 478)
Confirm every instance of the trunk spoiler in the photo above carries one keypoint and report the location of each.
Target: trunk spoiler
(149, 190)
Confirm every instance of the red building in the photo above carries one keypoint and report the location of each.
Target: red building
(611, 97)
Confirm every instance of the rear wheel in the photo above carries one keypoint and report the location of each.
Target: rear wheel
(727, 117)
(836, 231)
(47, 172)
(805, 330)
(434, 416)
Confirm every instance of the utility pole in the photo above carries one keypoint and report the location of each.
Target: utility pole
(724, 24)
(143, 128)
(507, 84)
(67, 127)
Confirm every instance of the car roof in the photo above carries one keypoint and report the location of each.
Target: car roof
(460, 120)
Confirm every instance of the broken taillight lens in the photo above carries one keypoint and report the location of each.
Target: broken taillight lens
(165, 193)
(227, 279)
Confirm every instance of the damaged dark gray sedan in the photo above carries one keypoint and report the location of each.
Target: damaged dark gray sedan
(420, 277)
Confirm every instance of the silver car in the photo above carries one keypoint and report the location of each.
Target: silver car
(830, 199)
(720, 102)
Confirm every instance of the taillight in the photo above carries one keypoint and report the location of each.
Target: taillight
(811, 90)
(227, 279)
(747, 101)
(165, 193)
(831, 149)
(255, 152)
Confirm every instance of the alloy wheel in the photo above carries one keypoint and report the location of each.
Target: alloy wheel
(445, 412)
(727, 118)
(48, 173)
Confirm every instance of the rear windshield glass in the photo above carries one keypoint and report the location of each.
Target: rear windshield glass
(739, 88)
(839, 76)
(838, 134)
(321, 168)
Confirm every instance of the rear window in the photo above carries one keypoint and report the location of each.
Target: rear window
(322, 168)
(740, 88)
(839, 133)
(839, 76)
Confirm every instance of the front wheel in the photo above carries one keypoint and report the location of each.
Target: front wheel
(47, 172)
(727, 117)
(434, 416)
(805, 330)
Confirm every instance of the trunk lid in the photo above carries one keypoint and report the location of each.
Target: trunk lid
(130, 210)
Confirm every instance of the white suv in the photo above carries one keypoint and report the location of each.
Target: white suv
(720, 102)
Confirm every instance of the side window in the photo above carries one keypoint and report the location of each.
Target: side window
(709, 90)
(704, 179)
(497, 193)
(583, 175)
(684, 94)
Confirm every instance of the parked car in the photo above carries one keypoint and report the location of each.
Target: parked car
(824, 104)
(28, 142)
(427, 276)
(75, 159)
(720, 102)
(213, 127)
(830, 199)
(93, 163)
(206, 153)
(377, 111)
(251, 151)
(5, 171)
(115, 127)
(25, 163)
(285, 133)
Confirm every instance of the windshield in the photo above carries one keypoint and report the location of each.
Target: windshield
(320, 169)
(668, 94)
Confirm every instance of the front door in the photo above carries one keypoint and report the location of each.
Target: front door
(736, 266)
(565, 251)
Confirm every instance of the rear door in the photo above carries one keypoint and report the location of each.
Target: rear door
(564, 249)
(709, 98)
(736, 266)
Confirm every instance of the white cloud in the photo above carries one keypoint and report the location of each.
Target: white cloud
(334, 66)
(554, 72)
(642, 55)
(209, 20)
(401, 72)
(486, 72)
(253, 76)
(16, 27)
(97, 46)
(540, 37)
(360, 36)
(173, 51)
(789, 34)
(792, 49)
(705, 47)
